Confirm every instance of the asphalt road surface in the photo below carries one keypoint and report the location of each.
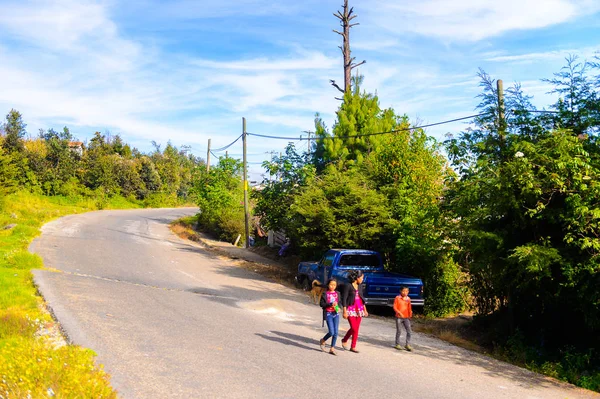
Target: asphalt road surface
(171, 320)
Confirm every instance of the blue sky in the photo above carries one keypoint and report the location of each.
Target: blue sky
(187, 71)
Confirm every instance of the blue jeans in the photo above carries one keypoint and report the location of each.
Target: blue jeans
(333, 324)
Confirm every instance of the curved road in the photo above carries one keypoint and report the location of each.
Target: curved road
(170, 320)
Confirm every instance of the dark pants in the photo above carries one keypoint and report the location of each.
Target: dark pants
(333, 324)
(406, 323)
(353, 331)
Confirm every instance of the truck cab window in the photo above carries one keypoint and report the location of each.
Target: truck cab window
(328, 260)
(370, 261)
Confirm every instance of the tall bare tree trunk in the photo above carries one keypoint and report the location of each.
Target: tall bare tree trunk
(345, 17)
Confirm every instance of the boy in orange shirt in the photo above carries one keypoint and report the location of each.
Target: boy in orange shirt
(403, 309)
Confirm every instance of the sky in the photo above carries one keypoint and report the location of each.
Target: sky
(187, 71)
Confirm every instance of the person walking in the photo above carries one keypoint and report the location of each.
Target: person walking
(330, 300)
(403, 309)
(354, 308)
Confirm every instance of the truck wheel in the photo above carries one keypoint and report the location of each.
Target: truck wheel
(307, 284)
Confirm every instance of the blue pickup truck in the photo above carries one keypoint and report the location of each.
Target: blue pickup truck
(379, 287)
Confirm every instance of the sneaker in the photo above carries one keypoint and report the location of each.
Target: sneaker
(332, 352)
(345, 345)
(408, 348)
(399, 347)
(322, 344)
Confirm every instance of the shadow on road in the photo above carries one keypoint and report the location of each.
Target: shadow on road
(288, 342)
(451, 353)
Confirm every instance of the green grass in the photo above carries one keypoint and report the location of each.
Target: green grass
(31, 366)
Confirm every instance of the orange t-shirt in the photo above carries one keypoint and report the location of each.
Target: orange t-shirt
(403, 307)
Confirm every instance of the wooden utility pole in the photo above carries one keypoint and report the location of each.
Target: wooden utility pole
(308, 146)
(246, 210)
(345, 17)
(501, 120)
(208, 157)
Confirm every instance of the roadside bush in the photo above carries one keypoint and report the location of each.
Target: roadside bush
(339, 210)
(158, 200)
(446, 290)
(220, 197)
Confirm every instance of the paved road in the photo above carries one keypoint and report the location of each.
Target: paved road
(170, 320)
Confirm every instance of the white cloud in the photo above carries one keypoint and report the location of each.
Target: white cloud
(72, 27)
(195, 9)
(473, 20)
(293, 121)
(584, 53)
(380, 44)
(312, 60)
(78, 69)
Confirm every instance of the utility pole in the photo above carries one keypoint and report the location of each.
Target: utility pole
(501, 120)
(208, 157)
(246, 211)
(345, 17)
(308, 146)
(226, 154)
(502, 136)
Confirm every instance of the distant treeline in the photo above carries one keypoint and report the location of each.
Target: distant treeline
(55, 163)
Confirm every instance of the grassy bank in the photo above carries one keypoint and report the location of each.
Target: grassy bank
(33, 361)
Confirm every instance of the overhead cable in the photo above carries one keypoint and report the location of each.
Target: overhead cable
(228, 145)
(369, 134)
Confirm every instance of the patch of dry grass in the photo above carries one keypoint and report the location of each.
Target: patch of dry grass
(456, 330)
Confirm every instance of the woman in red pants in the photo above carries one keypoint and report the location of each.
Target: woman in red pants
(354, 306)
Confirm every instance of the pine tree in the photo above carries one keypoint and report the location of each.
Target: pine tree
(14, 131)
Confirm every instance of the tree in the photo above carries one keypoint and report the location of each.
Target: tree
(345, 17)
(358, 117)
(338, 209)
(168, 167)
(14, 131)
(149, 175)
(129, 179)
(577, 106)
(220, 196)
(59, 164)
(525, 215)
(8, 174)
(409, 169)
(273, 202)
(119, 147)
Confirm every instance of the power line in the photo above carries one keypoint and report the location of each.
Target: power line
(536, 111)
(277, 137)
(228, 145)
(364, 134)
(369, 134)
(388, 132)
(249, 163)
